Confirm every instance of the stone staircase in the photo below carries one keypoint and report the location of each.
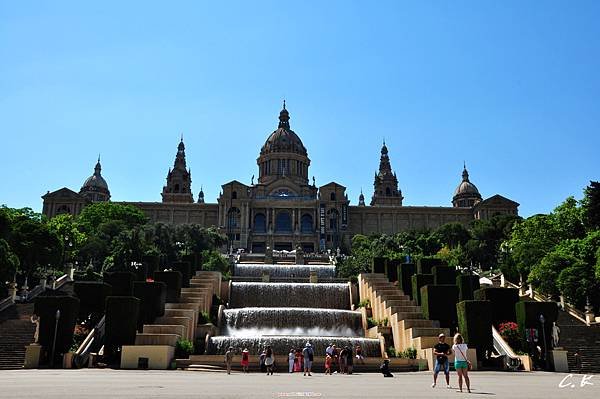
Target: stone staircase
(16, 331)
(576, 336)
(409, 327)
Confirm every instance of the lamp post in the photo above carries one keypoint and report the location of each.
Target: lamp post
(56, 318)
(543, 321)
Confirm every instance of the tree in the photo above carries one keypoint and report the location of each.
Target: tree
(453, 235)
(95, 215)
(544, 275)
(591, 206)
(9, 262)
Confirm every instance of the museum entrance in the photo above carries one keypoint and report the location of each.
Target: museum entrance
(283, 246)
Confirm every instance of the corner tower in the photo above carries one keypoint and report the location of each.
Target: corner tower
(179, 180)
(385, 187)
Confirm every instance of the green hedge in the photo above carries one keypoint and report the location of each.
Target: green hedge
(438, 302)
(467, 284)
(152, 263)
(378, 265)
(418, 281)
(152, 296)
(45, 307)
(186, 272)
(122, 313)
(92, 295)
(475, 325)
(392, 269)
(424, 265)
(528, 316)
(444, 275)
(173, 281)
(194, 260)
(503, 302)
(121, 282)
(405, 273)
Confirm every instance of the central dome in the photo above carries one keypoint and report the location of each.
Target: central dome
(284, 139)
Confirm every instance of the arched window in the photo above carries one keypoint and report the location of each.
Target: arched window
(332, 196)
(283, 222)
(260, 223)
(306, 224)
(333, 219)
(388, 192)
(233, 218)
(234, 195)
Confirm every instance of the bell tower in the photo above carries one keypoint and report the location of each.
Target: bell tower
(179, 180)
(386, 192)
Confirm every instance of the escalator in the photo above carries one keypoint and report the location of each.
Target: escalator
(501, 347)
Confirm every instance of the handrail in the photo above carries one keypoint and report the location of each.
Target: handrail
(513, 362)
(93, 340)
(6, 302)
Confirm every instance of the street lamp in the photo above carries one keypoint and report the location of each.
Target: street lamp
(543, 321)
(56, 318)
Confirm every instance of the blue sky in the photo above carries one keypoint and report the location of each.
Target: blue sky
(512, 88)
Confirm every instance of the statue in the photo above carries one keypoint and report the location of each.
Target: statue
(252, 181)
(555, 334)
(36, 320)
(314, 184)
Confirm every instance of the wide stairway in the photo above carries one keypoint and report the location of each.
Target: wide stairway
(16, 331)
(409, 328)
(576, 336)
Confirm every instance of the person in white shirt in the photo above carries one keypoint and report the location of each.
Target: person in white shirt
(291, 358)
(461, 363)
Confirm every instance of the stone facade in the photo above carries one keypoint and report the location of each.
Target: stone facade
(283, 210)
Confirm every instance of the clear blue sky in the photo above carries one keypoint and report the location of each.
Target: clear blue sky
(512, 88)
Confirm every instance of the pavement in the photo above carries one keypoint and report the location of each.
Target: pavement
(104, 383)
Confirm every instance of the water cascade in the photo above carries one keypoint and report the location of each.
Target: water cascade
(288, 271)
(294, 295)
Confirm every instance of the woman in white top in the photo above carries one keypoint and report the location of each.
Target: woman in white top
(461, 363)
(291, 358)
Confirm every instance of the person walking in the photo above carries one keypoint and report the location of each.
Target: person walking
(291, 359)
(328, 364)
(359, 355)
(308, 355)
(261, 361)
(461, 363)
(245, 360)
(342, 359)
(441, 350)
(229, 359)
(349, 360)
(269, 359)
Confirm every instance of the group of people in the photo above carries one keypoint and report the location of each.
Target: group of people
(301, 360)
(441, 351)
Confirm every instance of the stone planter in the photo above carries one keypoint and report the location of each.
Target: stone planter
(527, 362)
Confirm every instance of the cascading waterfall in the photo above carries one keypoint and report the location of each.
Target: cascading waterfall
(290, 295)
(248, 322)
(289, 271)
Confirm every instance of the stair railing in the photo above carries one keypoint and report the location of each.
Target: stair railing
(512, 361)
(91, 343)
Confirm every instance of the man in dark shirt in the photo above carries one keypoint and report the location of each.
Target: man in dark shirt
(441, 350)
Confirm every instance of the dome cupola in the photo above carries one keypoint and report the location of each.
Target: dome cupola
(466, 194)
(95, 187)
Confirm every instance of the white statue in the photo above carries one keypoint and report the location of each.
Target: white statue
(36, 320)
(555, 334)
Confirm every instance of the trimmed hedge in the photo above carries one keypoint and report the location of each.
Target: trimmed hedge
(92, 295)
(503, 302)
(392, 269)
(152, 263)
(467, 284)
(438, 302)
(173, 281)
(122, 313)
(444, 275)
(121, 282)
(424, 265)
(475, 325)
(378, 265)
(186, 272)
(528, 316)
(193, 260)
(45, 307)
(405, 273)
(152, 296)
(418, 281)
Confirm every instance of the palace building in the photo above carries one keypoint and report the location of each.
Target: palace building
(284, 210)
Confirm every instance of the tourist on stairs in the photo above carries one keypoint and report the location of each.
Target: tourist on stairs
(461, 363)
(441, 350)
(291, 359)
(245, 360)
(308, 355)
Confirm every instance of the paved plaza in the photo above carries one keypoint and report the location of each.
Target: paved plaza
(96, 383)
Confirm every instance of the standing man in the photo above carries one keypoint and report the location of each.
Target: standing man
(308, 354)
(441, 351)
(229, 359)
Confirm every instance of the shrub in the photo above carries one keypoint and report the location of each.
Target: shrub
(503, 302)
(184, 348)
(444, 275)
(510, 332)
(438, 302)
(121, 282)
(364, 303)
(391, 351)
(173, 281)
(467, 284)
(528, 316)
(92, 296)
(122, 313)
(475, 324)
(204, 317)
(408, 353)
(424, 265)
(405, 273)
(392, 269)
(46, 307)
(418, 281)
(371, 322)
(152, 296)
(378, 265)
(152, 263)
